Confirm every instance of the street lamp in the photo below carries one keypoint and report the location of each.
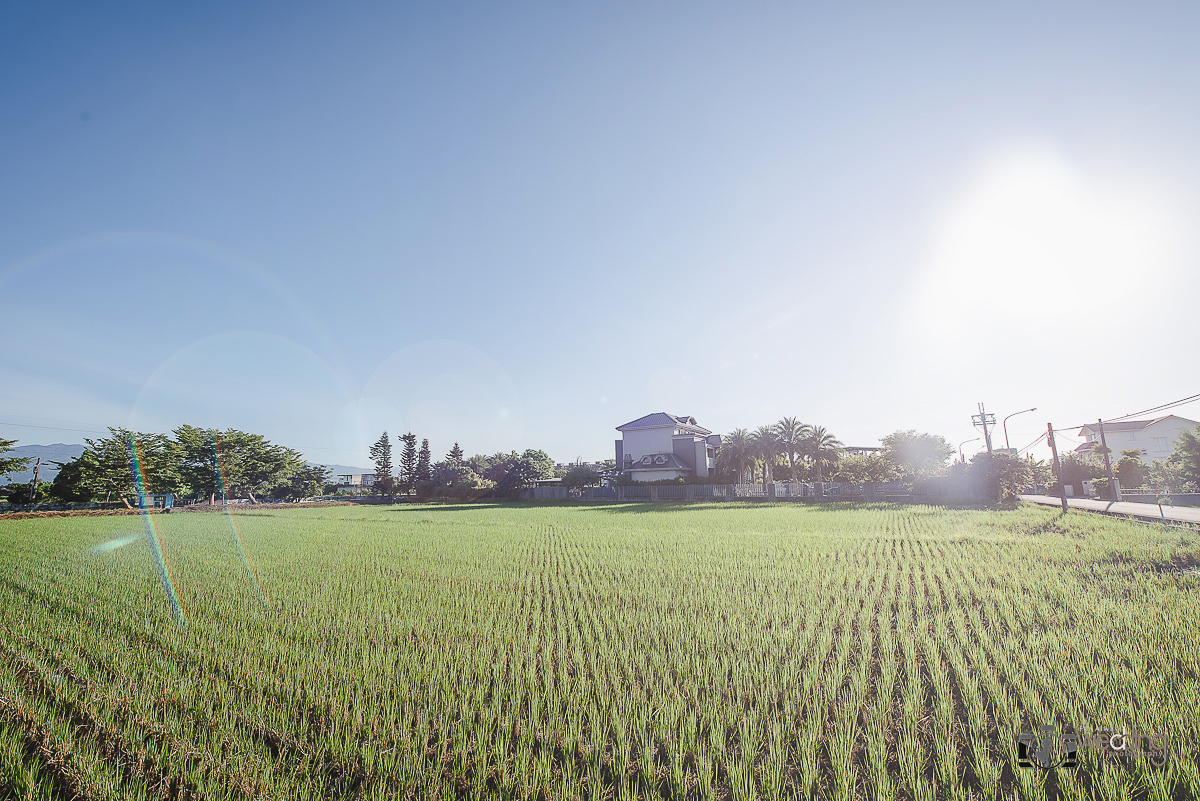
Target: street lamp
(964, 442)
(1005, 424)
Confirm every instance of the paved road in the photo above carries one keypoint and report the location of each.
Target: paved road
(1179, 514)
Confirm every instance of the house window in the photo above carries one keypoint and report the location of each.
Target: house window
(1160, 443)
(1132, 435)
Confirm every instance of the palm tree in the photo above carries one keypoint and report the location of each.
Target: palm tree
(822, 447)
(736, 453)
(791, 434)
(766, 448)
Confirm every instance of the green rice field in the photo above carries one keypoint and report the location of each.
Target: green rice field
(621, 651)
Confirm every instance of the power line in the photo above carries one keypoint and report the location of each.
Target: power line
(1161, 407)
(1032, 444)
(53, 428)
(1074, 440)
(50, 419)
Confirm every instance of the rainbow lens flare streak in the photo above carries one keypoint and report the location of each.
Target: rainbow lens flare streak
(233, 527)
(152, 535)
(112, 545)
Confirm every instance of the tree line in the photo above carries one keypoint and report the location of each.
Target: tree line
(795, 451)
(199, 463)
(192, 462)
(455, 477)
(207, 463)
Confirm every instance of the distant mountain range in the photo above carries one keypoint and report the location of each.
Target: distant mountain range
(65, 453)
(57, 453)
(344, 470)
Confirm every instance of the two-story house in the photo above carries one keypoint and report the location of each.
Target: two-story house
(1154, 438)
(356, 480)
(665, 446)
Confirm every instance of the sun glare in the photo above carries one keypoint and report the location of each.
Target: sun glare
(1032, 233)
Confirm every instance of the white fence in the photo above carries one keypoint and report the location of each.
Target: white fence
(831, 491)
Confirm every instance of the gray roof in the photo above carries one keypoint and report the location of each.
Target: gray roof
(663, 420)
(658, 461)
(1128, 425)
(1125, 425)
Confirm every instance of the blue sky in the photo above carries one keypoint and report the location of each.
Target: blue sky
(518, 225)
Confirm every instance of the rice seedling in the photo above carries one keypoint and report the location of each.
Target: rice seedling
(527, 652)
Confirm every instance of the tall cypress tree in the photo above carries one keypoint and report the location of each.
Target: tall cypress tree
(408, 462)
(455, 456)
(381, 455)
(424, 473)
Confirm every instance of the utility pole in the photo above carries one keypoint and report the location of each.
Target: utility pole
(1062, 489)
(1113, 487)
(984, 419)
(33, 484)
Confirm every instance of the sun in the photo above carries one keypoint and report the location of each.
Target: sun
(1031, 234)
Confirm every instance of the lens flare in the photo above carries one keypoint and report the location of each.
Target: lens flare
(233, 527)
(152, 535)
(112, 545)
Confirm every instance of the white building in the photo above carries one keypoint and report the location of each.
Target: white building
(357, 480)
(597, 466)
(664, 446)
(861, 450)
(1154, 438)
